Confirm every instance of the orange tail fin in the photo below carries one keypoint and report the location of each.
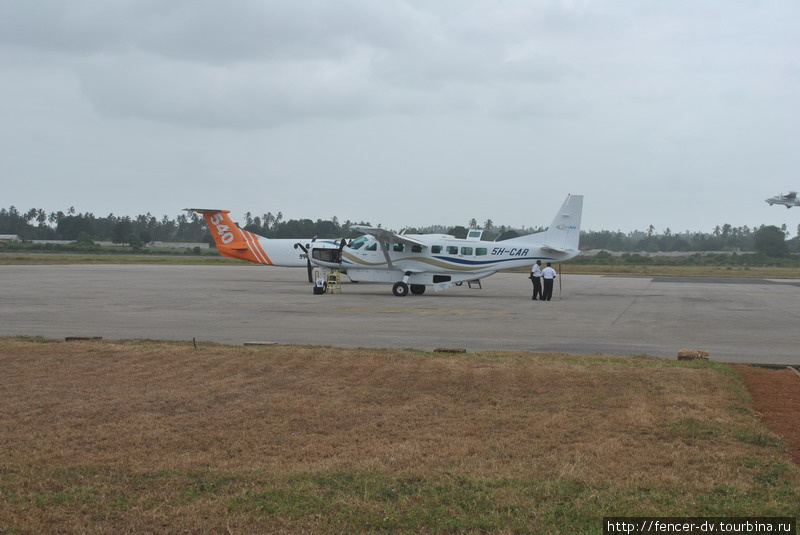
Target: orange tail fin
(231, 240)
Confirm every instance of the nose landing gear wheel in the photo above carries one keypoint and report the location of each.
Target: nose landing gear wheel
(417, 289)
(400, 289)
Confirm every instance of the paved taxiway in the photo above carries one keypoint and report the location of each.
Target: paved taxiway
(737, 320)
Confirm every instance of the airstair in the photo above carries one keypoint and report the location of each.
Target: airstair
(333, 282)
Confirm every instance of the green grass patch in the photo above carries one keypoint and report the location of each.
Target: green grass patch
(35, 339)
(373, 502)
(668, 267)
(677, 270)
(695, 429)
(759, 438)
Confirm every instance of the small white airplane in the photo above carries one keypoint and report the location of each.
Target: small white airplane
(235, 242)
(788, 200)
(414, 261)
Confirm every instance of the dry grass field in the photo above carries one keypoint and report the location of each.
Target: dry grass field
(153, 437)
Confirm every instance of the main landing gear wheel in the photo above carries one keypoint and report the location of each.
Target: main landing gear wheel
(417, 289)
(400, 289)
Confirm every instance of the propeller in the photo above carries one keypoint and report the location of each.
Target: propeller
(309, 266)
(305, 248)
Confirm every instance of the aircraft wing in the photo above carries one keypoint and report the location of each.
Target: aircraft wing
(385, 236)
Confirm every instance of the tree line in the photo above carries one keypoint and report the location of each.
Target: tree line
(722, 238)
(37, 224)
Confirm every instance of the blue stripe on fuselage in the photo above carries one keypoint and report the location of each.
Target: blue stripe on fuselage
(484, 262)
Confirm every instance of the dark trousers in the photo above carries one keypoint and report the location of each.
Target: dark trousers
(548, 290)
(537, 286)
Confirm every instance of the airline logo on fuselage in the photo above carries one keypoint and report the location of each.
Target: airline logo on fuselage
(224, 231)
(567, 227)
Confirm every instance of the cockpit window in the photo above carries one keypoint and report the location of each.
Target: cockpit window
(371, 247)
(358, 243)
(398, 247)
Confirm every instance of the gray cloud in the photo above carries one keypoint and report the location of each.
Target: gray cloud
(682, 101)
(263, 64)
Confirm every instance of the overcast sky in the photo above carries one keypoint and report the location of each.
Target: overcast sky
(681, 113)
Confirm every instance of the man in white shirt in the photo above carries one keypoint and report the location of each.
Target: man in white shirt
(549, 275)
(536, 278)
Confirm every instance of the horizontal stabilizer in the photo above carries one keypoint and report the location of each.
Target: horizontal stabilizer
(206, 210)
(550, 249)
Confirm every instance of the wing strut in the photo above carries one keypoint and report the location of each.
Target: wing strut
(386, 253)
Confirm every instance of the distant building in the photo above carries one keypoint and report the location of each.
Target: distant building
(54, 242)
(4, 238)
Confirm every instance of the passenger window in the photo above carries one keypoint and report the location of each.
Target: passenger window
(436, 249)
(481, 251)
(371, 247)
(416, 248)
(451, 249)
(466, 251)
(399, 247)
